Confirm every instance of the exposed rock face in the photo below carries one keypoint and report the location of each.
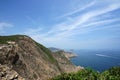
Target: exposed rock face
(28, 59)
(7, 73)
(64, 62)
(32, 61)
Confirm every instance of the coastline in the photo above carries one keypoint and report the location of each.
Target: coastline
(70, 55)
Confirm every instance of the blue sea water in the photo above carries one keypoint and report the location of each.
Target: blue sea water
(98, 60)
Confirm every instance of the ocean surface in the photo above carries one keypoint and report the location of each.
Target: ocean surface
(98, 60)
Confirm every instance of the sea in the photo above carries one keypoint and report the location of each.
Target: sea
(99, 60)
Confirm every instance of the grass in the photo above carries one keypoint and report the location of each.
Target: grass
(4, 39)
(47, 52)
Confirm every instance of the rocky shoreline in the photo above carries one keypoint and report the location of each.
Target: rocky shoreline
(69, 55)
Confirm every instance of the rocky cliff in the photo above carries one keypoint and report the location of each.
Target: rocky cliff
(30, 60)
(64, 62)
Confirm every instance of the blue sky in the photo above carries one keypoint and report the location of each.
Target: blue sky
(69, 24)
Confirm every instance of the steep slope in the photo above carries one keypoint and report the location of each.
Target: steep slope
(32, 61)
(64, 62)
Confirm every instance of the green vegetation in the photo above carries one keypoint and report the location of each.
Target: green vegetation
(89, 74)
(111, 74)
(4, 39)
(47, 51)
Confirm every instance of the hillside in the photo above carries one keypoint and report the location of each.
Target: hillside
(30, 60)
(64, 62)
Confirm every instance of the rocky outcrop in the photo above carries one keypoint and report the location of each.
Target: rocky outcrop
(7, 73)
(29, 60)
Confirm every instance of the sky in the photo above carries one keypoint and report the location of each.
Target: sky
(66, 24)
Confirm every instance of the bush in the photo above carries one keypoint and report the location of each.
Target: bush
(89, 74)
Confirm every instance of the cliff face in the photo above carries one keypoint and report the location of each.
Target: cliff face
(64, 62)
(30, 60)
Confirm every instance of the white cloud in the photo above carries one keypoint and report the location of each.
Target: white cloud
(3, 26)
(78, 9)
(66, 28)
(80, 24)
(101, 23)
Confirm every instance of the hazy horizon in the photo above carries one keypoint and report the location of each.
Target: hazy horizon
(73, 24)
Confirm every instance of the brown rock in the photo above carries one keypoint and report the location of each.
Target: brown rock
(7, 73)
(25, 59)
